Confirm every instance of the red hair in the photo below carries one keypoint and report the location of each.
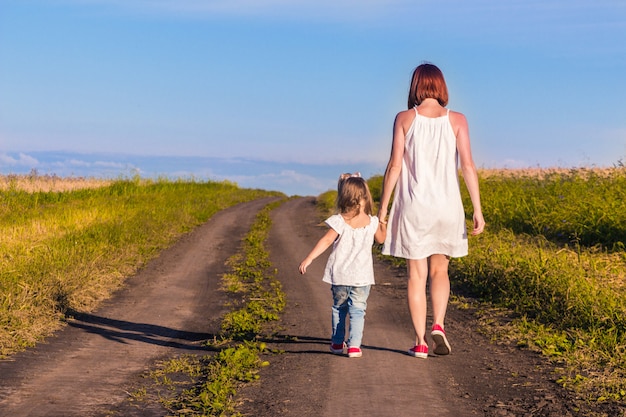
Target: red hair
(427, 82)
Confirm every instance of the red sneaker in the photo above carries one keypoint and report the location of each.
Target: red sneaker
(442, 347)
(419, 351)
(354, 352)
(337, 349)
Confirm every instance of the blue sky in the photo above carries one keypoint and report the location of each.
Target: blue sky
(300, 91)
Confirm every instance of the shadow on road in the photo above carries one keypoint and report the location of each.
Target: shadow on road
(124, 331)
(308, 340)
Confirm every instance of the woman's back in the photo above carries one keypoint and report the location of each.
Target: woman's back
(427, 214)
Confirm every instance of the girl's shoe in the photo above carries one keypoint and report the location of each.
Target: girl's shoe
(442, 347)
(354, 352)
(337, 349)
(419, 351)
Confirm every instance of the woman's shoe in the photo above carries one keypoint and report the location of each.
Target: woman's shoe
(442, 347)
(419, 351)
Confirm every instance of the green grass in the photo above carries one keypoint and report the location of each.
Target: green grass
(64, 251)
(579, 206)
(553, 255)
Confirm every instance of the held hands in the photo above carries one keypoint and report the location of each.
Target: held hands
(381, 233)
(382, 215)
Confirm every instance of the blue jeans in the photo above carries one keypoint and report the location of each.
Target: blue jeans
(349, 301)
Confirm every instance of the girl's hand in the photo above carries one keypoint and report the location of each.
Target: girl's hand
(323, 244)
(303, 266)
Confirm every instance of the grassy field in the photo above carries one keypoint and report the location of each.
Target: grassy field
(553, 255)
(548, 273)
(66, 245)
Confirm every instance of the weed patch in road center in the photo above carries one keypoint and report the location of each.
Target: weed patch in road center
(257, 298)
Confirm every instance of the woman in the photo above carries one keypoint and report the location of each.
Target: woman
(427, 219)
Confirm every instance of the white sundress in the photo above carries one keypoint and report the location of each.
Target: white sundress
(427, 215)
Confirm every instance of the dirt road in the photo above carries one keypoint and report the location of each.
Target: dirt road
(174, 304)
(477, 379)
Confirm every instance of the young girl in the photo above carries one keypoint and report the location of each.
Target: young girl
(349, 269)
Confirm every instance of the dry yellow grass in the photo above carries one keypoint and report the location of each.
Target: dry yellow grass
(544, 172)
(48, 183)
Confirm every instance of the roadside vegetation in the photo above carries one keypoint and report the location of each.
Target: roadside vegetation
(63, 251)
(554, 256)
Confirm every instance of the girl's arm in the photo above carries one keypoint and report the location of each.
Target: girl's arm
(319, 248)
(470, 175)
(394, 166)
(381, 232)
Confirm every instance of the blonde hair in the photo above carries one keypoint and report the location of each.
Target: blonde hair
(351, 190)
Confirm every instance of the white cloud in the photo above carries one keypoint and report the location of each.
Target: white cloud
(21, 160)
(292, 177)
(78, 163)
(288, 181)
(512, 164)
(111, 164)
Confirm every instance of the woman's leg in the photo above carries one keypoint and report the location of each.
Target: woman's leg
(416, 291)
(439, 287)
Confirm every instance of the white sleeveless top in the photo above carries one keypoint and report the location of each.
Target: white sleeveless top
(427, 215)
(351, 262)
